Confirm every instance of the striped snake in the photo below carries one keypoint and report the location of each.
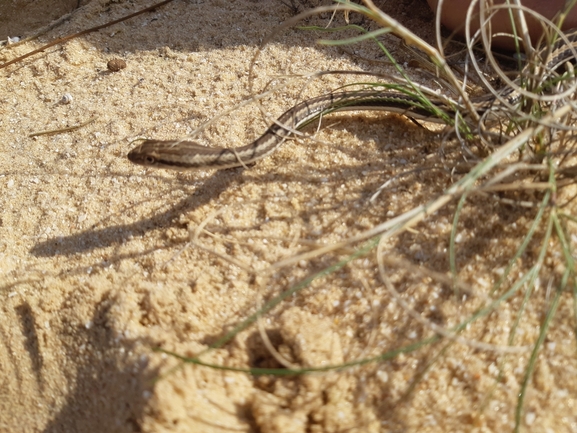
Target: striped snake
(187, 155)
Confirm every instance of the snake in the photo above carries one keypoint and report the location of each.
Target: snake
(189, 155)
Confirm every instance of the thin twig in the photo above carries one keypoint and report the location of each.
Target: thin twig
(58, 131)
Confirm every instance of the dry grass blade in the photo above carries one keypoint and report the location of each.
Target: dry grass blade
(81, 33)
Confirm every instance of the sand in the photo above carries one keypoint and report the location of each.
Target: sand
(101, 260)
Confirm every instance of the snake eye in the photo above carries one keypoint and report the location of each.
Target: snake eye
(149, 160)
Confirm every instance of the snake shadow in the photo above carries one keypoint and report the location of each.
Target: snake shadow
(92, 239)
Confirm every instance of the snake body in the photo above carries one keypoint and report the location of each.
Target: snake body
(187, 155)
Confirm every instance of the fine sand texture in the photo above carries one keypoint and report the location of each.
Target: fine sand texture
(103, 261)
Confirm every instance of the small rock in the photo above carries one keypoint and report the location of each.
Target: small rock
(116, 65)
(66, 99)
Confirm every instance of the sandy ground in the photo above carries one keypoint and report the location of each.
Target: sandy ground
(101, 260)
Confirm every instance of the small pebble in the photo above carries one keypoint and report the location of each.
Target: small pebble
(116, 65)
(66, 99)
